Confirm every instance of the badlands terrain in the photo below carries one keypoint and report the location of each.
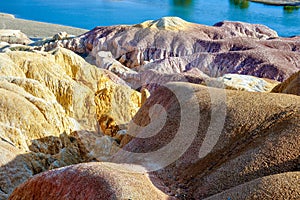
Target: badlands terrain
(164, 109)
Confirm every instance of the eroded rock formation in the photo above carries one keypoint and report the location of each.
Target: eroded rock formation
(48, 102)
(172, 46)
(188, 141)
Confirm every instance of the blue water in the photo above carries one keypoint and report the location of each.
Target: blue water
(88, 14)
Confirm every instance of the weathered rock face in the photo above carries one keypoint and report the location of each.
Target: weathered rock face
(32, 122)
(24, 99)
(111, 120)
(247, 62)
(7, 176)
(212, 140)
(13, 37)
(94, 181)
(74, 84)
(16, 165)
(290, 86)
(9, 68)
(172, 45)
(46, 100)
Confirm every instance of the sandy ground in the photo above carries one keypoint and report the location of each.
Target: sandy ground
(34, 29)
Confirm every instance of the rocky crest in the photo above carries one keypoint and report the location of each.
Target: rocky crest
(173, 46)
(165, 23)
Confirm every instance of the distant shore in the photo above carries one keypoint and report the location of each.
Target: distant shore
(35, 29)
(279, 3)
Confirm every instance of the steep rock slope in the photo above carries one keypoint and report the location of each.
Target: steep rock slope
(201, 141)
(49, 101)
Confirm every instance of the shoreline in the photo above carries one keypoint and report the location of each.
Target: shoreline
(278, 3)
(36, 29)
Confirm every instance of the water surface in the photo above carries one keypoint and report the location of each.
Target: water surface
(88, 14)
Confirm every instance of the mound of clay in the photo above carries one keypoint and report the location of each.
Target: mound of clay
(92, 181)
(201, 141)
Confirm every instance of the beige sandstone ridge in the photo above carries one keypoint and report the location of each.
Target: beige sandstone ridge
(19, 106)
(74, 84)
(205, 151)
(49, 101)
(290, 86)
(170, 47)
(92, 181)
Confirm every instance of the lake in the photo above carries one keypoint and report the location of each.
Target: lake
(88, 14)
